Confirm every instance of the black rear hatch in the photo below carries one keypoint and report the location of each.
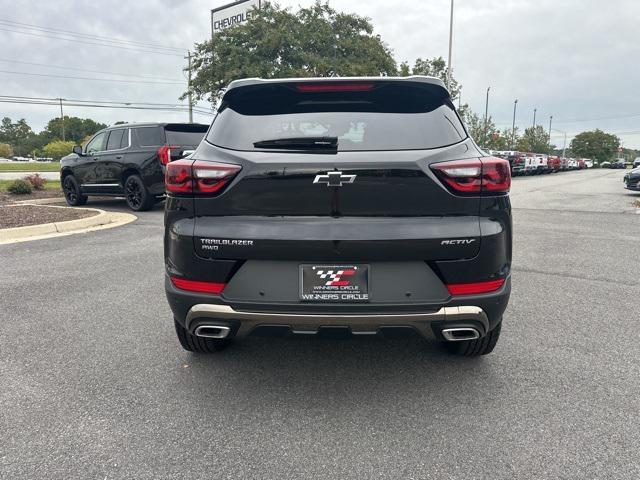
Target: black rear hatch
(358, 149)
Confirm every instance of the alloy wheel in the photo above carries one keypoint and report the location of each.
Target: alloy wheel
(70, 190)
(133, 192)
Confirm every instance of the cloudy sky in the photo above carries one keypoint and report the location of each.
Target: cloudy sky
(574, 59)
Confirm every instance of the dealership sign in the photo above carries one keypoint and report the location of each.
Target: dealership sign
(232, 14)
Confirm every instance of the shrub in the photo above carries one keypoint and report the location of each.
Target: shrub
(57, 149)
(20, 187)
(5, 150)
(36, 181)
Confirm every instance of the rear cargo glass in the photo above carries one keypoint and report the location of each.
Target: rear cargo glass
(149, 136)
(391, 116)
(185, 135)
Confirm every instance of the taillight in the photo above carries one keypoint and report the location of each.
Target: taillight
(496, 175)
(198, 286)
(488, 175)
(334, 87)
(198, 177)
(164, 153)
(475, 288)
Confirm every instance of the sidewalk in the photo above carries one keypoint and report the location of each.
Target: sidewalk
(15, 175)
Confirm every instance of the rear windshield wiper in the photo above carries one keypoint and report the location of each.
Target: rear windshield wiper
(300, 143)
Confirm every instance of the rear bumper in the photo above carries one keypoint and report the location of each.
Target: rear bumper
(632, 183)
(479, 312)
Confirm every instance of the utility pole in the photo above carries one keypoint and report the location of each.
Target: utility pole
(450, 48)
(513, 127)
(188, 57)
(535, 110)
(486, 118)
(62, 120)
(550, 123)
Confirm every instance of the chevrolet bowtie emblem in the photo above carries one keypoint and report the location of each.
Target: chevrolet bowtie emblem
(334, 179)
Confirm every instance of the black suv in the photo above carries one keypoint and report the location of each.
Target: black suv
(337, 205)
(127, 160)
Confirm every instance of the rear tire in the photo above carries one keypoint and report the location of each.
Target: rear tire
(194, 344)
(72, 193)
(478, 347)
(136, 194)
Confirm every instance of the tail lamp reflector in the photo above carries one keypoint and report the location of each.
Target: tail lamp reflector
(475, 288)
(198, 286)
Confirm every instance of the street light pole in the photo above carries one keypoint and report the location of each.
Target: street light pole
(62, 120)
(450, 48)
(486, 118)
(513, 127)
(535, 110)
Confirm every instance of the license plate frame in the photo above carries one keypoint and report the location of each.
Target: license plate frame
(342, 283)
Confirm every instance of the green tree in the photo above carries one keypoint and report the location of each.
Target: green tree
(277, 43)
(5, 150)
(596, 145)
(511, 138)
(58, 149)
(535, 140)
(486, 134)
(19, 135)
(75, 129)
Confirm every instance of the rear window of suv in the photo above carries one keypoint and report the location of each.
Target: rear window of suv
(185, 135)
(388, 116)
(150, 136)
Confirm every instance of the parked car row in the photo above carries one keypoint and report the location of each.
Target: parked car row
(538, 163)
(620, 163)
(30, 159)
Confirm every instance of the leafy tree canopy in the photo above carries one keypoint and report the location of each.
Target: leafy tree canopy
(19, 135)
(595, 144)
(535, 139)
(75, 129)
(316, 41)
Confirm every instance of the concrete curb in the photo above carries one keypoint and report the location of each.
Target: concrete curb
(100, 221)
(42, 201)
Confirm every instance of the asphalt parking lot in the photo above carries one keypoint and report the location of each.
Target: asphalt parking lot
(95, 385)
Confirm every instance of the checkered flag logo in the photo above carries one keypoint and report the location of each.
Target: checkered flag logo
(335, 277)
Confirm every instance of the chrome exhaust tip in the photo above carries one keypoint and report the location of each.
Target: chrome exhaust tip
(460, 334)
(212, 331)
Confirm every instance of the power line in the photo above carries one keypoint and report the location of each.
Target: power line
(91, 36)
(90, 78)
(90, 105)
(102, 104)
(91, 43)
(4, 60)
(11, 97)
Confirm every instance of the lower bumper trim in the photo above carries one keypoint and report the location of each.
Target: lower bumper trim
(360, 324)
